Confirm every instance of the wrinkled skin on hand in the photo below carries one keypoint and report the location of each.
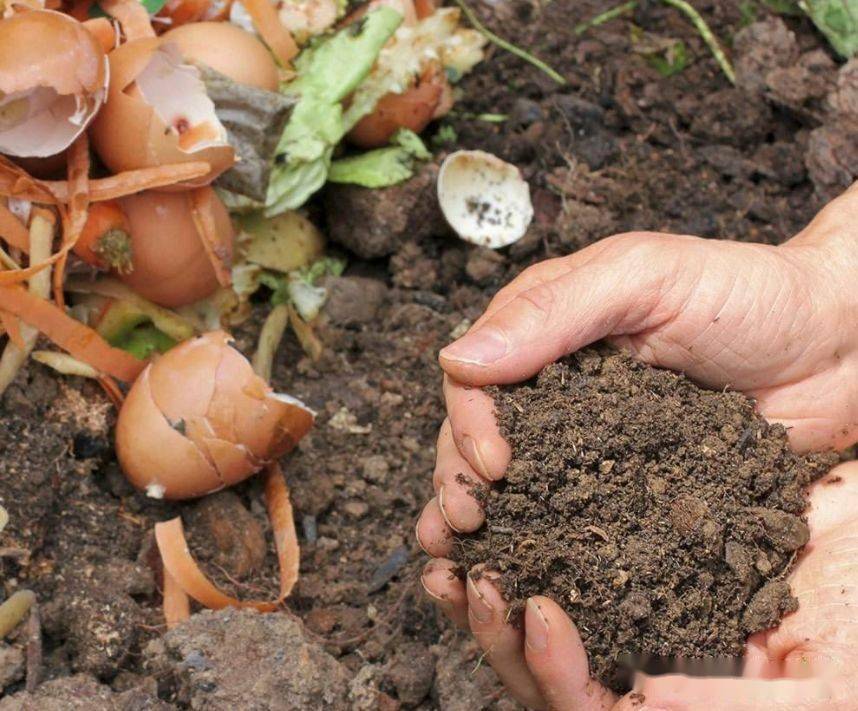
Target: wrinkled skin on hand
(777, 323)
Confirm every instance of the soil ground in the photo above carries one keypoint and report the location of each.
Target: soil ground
(664, 518)
(619, 147)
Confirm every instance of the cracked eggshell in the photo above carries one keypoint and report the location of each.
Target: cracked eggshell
(199, 419)
(484, 199)
(171, 266)
(227, 49)
(53, 80)
(154, 454)
(158, 113)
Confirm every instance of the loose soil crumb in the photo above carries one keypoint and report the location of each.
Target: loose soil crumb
(663, 517)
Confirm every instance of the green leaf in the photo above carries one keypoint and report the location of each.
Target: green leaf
(153, 7)
(381, 167)
(328, 72)
(145, 340)
(838, 21)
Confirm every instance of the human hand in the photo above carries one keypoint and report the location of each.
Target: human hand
(809, 663)
(772, 322)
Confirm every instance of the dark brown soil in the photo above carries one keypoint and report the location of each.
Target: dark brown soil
(663, 517)
(619, 147)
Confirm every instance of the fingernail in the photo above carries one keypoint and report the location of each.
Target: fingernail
(474, 456)
(443, 510)
(427, 571)
(479, 606)
(417, 536)
(479, 348)
(536, 629)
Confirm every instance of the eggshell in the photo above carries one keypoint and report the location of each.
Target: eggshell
(199, 419)
(171, 266)
(47, 98)
(154, 455)
(128, 134)
(229, 50)
(46, 48)
(484, 199)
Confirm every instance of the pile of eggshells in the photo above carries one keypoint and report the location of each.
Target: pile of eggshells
(198, 418)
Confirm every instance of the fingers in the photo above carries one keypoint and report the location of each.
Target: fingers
(502, 643)
(834, 500)
(557, 659)
(611, 294)
(475, 431)
(446, 590)
(456, 485)
(433, 533)
(682, 693)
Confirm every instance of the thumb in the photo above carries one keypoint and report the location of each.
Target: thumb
(683, 693)
(617, 292)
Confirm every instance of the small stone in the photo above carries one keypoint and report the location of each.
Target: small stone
(222, 522)
(375, 468)
(485, 265)
(352, 301)
(411, 671)
(11, 665)
(356, 509)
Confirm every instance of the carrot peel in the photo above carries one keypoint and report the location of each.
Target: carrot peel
(184, 571)
(69, 334)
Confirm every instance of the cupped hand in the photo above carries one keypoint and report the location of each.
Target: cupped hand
(774, 322)
(809, 663)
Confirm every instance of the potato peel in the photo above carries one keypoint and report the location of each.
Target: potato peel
(184, 571)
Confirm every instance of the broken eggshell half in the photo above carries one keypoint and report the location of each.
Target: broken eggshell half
(158, 113)
(199, 419)
(484, 199)
(53, 80)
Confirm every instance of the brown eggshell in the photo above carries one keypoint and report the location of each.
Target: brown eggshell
(155, 454)
(127, 133)
(45, 48)
(244, 425)
(184, 383)
(171, 266)
(414, 109)
(232, 461)
(229, 50)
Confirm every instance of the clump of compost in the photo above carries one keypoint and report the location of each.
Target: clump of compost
(663, 517)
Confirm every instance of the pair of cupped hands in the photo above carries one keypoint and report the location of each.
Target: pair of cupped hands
(777, 323)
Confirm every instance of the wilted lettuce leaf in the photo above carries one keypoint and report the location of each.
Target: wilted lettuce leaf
(298, 287)
(327, 73)
(838, 21)
(382, 167)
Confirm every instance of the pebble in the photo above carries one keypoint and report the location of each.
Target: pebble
(356, 509)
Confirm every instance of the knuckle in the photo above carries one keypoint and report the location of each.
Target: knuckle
(542, 298)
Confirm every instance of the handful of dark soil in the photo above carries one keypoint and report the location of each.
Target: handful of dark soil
(663, 517)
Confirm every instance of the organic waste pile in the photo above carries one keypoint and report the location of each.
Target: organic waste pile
(663, 517)
(153, 159)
